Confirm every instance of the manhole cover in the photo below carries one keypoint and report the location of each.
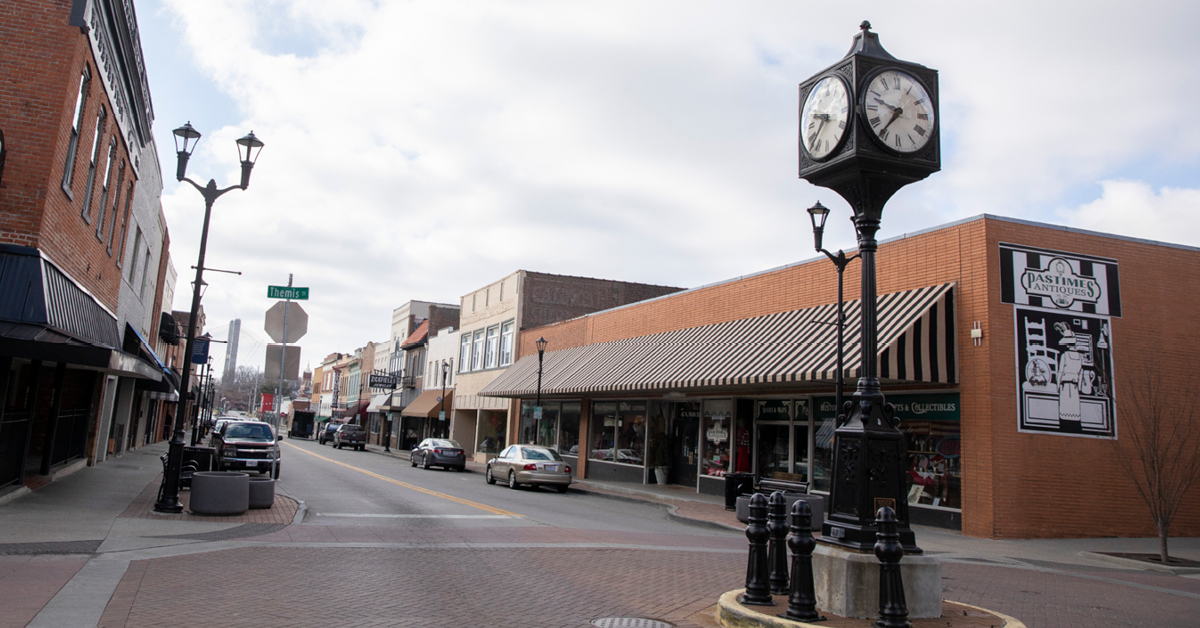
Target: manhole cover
(630, 622)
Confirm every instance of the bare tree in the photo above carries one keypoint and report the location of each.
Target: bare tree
(1158, 444)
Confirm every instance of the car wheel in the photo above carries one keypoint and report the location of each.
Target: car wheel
(275, 473)
(512, 480)
(337, 445)
(460, 469)
(562, 488)
(490, 479)
(413, 460)
(425, 462)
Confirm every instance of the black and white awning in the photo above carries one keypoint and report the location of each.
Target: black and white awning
(916, 344)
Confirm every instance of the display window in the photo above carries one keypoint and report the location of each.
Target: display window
(782, 447)
(568, 428)
(558, 428)
(618, 432)
(824, 425)
(932, 429)
(491, 431)
(717, 430)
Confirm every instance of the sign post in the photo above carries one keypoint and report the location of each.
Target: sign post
(287, 293)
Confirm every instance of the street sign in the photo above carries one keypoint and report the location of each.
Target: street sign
(442, 415)
(537, 413)
(297, 322)
(200, 351)
(291, 364)
(287, 292)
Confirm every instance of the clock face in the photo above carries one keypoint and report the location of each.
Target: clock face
(824, 118)
(898, 111)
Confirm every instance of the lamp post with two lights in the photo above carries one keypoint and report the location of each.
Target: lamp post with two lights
(249, 147)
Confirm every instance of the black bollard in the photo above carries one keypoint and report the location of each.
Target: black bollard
(802, 603)
(758, 589)
(893, 610)
(777, 547)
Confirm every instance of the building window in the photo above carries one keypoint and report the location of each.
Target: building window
(506, 343)
(464, 353)
(93, 165)
(717, 431)
(137, 248)
(145, 276)
(112, 155)
(477, 351)
(618, 432)
(112, 227)
(782, 440)
(492, 347)
(85, 80)
(125, 224)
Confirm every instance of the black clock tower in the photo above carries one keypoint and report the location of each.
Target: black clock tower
(871, 163)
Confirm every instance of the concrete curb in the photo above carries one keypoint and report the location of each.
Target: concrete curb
(672, 509)
(301, 510)
(1125, 562)
(732, 614)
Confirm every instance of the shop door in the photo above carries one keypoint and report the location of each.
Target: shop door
(685, 437)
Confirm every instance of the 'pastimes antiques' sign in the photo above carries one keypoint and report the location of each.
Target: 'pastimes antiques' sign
(1065, 303)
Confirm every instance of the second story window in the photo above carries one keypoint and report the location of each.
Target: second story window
(112, 226)
(112, 155)
(506, 343)
(493, 347)
(464, 353)
(477, 351)
(125, 225)
(93, 165)
(85, 80)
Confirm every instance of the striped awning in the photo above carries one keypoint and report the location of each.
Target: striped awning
(916, 344)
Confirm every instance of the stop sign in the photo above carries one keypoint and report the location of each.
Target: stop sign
(297, 322)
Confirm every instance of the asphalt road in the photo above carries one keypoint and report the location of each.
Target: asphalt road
(344, 487)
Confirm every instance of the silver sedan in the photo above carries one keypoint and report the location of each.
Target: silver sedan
(529, 464)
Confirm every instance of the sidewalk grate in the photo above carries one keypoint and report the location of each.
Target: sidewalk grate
(53, 547)
(236, 532)
(630, 622)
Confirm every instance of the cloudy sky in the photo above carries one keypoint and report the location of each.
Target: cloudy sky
(421, 150)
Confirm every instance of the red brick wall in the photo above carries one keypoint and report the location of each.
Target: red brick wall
(41, 58)
(1015, 485)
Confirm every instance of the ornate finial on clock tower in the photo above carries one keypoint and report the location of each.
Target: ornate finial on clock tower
(866, 26)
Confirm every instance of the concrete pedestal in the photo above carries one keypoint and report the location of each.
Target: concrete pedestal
(847, 583)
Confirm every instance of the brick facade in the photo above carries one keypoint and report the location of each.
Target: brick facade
(1015, 484)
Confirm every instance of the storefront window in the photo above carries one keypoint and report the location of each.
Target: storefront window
(491, 432)
(717, 428)
(658, 447)
(568, 429)
(547, 428)
(773, 446)
(619, 432)
(931, 426)
(604, 431)
(825, 422)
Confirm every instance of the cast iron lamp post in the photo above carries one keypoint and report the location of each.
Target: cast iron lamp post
(249, 147)
(445, 372)
(541, 347)
(818, 213)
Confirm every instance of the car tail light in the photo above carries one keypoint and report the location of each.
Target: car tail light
(437, 451)
(531, 467)
(568, 467)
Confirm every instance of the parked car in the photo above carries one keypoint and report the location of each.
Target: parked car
(352, 435)
(529, 464)
(246, 446)
(327, 432)
(441, 452)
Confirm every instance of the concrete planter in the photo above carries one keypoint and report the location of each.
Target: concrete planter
(262, 492)
(815, 502)
(221, 493)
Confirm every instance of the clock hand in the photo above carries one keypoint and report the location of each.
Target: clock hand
(880, 101)
(896, 113)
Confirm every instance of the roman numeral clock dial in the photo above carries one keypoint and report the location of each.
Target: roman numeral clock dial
(898, 111)
(824, 118)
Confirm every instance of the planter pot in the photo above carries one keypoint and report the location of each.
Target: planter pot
(262, 492)
(660, 475)
(220, 493)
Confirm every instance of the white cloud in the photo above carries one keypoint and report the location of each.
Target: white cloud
(1134, 208)
(419, 150)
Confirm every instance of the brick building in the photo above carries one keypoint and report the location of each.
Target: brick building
(80, 179)
(1014, 352)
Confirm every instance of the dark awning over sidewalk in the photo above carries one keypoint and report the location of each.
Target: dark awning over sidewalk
(427, 405)
(916, 344)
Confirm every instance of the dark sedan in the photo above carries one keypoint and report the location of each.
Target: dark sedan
(439, 452)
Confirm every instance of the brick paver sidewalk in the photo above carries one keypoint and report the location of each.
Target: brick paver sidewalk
(281, 512)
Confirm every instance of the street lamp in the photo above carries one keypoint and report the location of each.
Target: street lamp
(442, 412)
(186, 138)
(537, 406)
(818, 213)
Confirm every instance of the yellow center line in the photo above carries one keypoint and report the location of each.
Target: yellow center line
(465, 502)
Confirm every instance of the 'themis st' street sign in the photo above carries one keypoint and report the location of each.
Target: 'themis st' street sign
(285, 292)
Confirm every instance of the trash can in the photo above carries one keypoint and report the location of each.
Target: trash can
(202, 456)
(737, 484)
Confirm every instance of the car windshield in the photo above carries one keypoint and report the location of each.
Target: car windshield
(248, 430)
(540, 454)
(444, 443)
(351, 428)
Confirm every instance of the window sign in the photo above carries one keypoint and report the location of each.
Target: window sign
(1059, 281)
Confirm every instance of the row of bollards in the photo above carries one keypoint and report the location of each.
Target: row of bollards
(767, 572)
